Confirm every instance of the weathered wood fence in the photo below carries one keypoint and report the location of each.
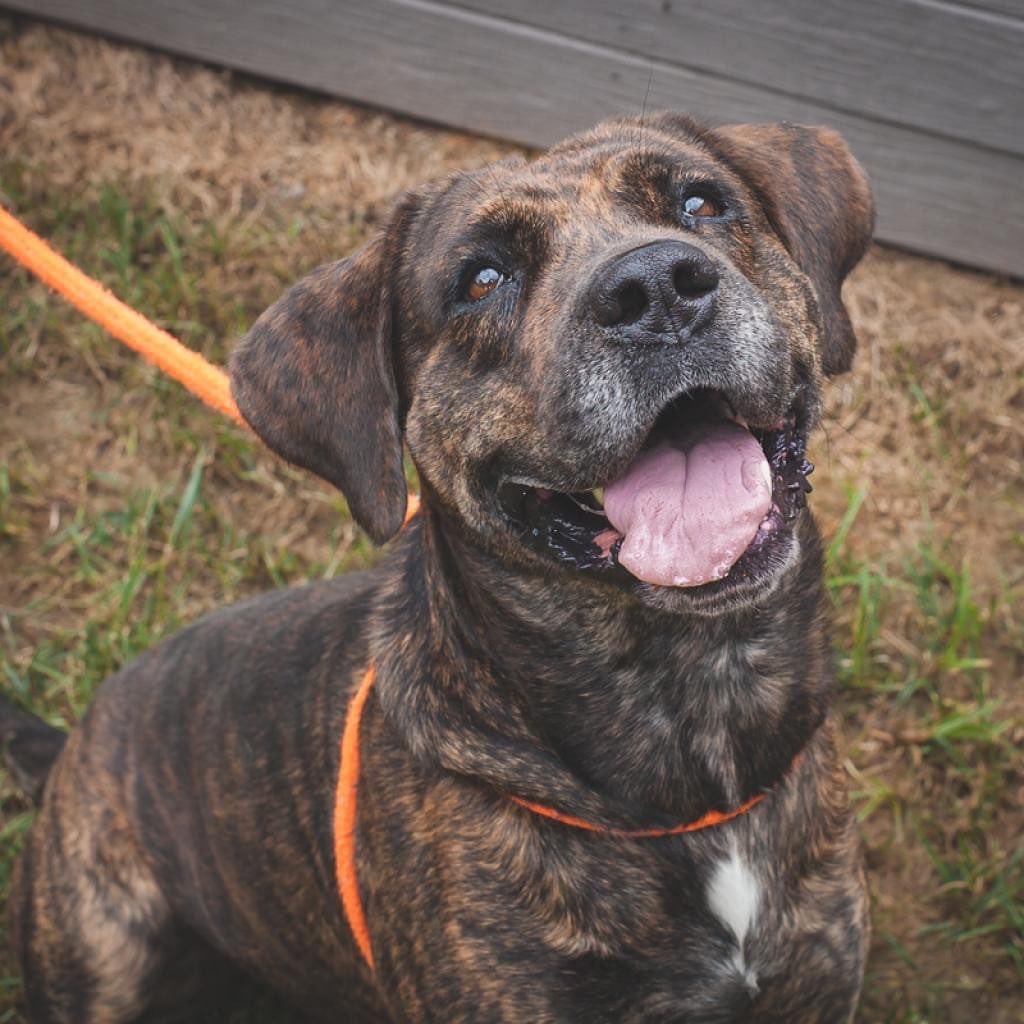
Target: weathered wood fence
(930, 93)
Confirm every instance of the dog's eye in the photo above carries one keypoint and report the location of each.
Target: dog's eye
(701, 204)
(483, 282)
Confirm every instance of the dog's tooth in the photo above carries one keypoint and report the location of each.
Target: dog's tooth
(732, 414)
(586, 508)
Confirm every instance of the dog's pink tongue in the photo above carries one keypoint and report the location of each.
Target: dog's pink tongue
(691, 506)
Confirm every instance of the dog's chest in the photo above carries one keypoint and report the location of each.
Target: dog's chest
(704, 928)
(689, 905)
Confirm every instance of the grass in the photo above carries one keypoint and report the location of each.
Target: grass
(953, 733)
(127, 509)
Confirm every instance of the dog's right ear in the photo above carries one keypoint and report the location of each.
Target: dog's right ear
(819, 201)
(315, 378)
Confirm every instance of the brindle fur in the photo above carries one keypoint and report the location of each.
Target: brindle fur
(189, 817)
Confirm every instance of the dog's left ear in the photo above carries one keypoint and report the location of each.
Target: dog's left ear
(315, 378)
(818, 199)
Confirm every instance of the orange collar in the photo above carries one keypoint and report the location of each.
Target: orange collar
(345, 819)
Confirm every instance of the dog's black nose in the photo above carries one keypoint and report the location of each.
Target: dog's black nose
(664, 291)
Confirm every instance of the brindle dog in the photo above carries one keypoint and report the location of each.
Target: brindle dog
(527, 330)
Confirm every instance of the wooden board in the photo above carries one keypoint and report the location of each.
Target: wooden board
(1011, 8)
(949, 70)
(936, 194)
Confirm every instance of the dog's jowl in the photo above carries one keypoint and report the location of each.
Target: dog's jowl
(597, 775)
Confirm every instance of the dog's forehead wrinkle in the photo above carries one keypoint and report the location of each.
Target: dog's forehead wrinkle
(580, 185)
(525, 208)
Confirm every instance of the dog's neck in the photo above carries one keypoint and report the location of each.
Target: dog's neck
(576, 696)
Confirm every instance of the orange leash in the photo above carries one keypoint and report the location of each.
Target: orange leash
(708, 820)
(156, 346)
(346, 818)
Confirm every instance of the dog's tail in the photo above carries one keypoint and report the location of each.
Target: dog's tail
(29, 747)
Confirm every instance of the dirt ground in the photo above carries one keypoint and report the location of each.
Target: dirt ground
(126, 509)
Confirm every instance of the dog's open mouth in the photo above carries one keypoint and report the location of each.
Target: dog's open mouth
(707, 498)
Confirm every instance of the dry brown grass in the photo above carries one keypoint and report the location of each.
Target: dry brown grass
(197, 194)
(217, 143)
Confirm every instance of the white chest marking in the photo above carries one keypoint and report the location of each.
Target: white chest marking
(734, 894)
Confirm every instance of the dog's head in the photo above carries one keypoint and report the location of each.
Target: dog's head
(642, 316)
